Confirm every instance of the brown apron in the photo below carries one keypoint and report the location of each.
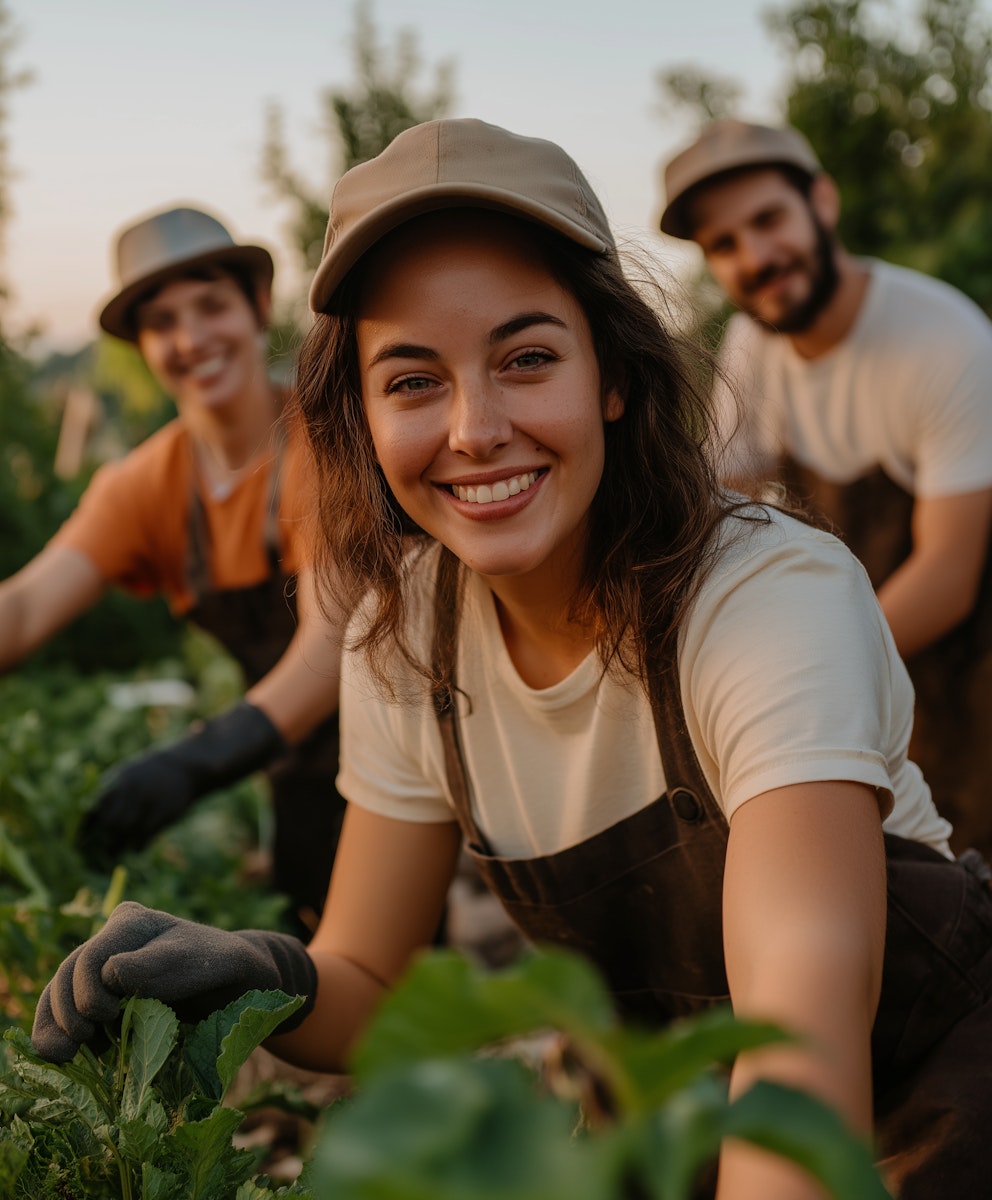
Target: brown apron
(952, 725)
(255, 624)
(642, 900)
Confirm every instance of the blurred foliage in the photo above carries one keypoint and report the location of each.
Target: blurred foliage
(59, 731)
(120, 631)
(10, 80)
(902, 119)
(357, 122)
(900, 113)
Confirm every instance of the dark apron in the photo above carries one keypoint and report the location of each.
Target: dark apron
(643, 901)
(952, 724)
(255, 625)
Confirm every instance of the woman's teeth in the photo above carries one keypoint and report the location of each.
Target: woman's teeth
(208, 367)
(503, 490)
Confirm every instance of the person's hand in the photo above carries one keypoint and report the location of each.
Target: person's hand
(154, 789)
(193, 968)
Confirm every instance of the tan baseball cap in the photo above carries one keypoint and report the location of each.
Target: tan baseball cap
(166, 244)
(727, 145)
(461, 163)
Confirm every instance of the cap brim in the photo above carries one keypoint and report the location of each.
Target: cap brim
(115, 315)
(366, 233)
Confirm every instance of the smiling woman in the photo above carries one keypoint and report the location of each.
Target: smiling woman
(209, 512)
(669, 725)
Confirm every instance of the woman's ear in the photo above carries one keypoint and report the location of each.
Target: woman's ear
(613, 405)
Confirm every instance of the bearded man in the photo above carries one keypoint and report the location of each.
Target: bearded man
(866, 389)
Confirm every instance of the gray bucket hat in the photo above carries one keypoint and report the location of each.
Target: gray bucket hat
(463, 163)
(167, 244)
(728, 145)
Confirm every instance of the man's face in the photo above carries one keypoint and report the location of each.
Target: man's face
(768, 247)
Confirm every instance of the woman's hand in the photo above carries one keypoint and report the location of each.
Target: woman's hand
(193, 968)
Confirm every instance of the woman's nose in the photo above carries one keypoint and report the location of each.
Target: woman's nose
(479, 423)
(190, 333)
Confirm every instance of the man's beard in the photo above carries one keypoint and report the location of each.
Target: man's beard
(824, 279)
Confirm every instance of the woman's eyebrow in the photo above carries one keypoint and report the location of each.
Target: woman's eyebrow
(402, 350)
(524, 321)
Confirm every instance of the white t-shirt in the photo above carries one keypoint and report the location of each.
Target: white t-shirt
(909, 389)
(788, 675)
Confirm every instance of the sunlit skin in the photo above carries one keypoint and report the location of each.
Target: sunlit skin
(201, 341)
(478, 371)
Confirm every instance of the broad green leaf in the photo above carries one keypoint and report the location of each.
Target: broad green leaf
(660, 1063)
(137, 1141)
(157, 1184)
(801, 1128)
(150, 1030)
(219, 1046)
(203, 1149)
(13, 1159)
(667, 1148)
(453, 1129)
(444, 1006)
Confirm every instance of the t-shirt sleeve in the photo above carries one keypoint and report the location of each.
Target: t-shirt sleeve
(787, 671)
(744, 446)
(391, 756)
(107, 526)
(955, 415)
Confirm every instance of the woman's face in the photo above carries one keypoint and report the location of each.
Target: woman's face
(201, 341)
(483, 394)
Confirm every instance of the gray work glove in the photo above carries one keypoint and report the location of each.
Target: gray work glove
(193, 968)
(145, 794)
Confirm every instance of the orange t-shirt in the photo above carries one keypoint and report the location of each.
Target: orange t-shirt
(132, 521)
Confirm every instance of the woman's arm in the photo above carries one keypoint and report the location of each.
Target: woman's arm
(302, 688)
(386, 897)
(804, 932)
(57, 585)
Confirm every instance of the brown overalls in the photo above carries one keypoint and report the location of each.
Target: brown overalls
(255, 625)
(643, 901)
(952, 724)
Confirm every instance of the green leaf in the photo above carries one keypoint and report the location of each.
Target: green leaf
(454, 1129)
(659, 1064)
(219, 1046)
(150, 1030)
(203, 1148)
(157, 1184)
(444, 1007)
(13, 1159)
(667, 1148)
(138, 1141)
(801, 1128)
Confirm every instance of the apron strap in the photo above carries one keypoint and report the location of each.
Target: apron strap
(198, 581)
(686, 787)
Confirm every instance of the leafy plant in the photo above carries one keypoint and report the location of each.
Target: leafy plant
(144, 1120)
(433, 1120)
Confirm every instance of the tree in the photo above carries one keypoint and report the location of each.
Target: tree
(10, 80)
(903, 121)
(358, 123)
(900, 115)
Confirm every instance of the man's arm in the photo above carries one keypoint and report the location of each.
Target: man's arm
(54, 587)
(937, 586)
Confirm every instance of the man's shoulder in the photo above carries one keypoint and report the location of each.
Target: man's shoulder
(917, 300)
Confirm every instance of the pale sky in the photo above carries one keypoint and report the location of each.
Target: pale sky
(137, 105)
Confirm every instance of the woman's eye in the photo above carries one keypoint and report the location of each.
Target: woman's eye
(530, 359)
(410, 385)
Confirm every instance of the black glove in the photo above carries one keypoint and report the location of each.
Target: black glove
(150, 791)
(195, 969)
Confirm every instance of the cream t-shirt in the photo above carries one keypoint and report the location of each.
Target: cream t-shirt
(908, 390)
(788, 674)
